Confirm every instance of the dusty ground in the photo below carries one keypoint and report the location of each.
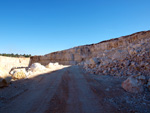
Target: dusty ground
(71, 90)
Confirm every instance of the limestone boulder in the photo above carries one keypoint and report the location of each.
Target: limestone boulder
(133, 85)
(50, 65)
(37, 67)
(56, 64)
(19, 73)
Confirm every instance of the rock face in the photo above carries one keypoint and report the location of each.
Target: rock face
(9, 62)
(124, 56)
(127, 55)
(119, 48)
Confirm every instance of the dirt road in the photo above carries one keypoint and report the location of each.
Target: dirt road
(69, 90)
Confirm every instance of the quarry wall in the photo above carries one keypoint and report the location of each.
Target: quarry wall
(8, 62)
(80, 54)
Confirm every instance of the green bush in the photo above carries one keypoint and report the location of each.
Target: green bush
(15, 55)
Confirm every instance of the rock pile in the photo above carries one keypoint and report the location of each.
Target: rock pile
(25, 72)
(36, 68)
(130, 61)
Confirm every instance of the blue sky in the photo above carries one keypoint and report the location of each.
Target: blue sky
(39, 27)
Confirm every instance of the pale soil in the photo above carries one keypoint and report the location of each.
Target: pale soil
(71, 90)
(47, 70)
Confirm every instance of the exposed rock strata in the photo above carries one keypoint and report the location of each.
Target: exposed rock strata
(114, 49)
(127, 55)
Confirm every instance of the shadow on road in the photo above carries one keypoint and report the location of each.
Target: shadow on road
(70, 90)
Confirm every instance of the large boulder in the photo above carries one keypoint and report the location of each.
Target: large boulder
(133, 84)
(50, 65)
(56, 64)
(19, 73)
(5, 78)
(37, 67)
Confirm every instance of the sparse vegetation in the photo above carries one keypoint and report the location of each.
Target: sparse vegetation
(15, 55)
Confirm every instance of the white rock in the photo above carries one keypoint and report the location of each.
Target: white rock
(56, 64)
(50, 65)
(37, 67)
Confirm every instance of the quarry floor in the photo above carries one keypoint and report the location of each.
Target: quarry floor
(71, 90)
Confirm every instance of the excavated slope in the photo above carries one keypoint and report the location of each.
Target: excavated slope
(80, 54)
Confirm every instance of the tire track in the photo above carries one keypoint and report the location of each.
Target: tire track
(58, 103)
